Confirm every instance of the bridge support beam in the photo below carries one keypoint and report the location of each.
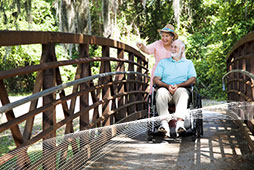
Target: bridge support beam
(49, 116)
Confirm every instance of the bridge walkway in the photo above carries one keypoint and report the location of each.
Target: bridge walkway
(221, 147)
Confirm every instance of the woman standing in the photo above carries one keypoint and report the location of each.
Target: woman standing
(161, 48)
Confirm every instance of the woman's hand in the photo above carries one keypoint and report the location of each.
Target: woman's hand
(141, 46)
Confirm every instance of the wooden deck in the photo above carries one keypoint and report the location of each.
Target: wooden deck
(221, 147)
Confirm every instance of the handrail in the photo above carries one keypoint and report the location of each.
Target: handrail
(236, 71)
(53, 64)
(46, 92)
(11, 38)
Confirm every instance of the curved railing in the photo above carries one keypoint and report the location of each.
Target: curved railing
(109, 97)
(241, 57)
(240, 76)
(248, 82)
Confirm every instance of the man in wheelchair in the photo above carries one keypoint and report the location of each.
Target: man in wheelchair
(172, 76)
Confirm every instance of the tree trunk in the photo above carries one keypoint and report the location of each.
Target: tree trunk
(176, 8)
(82, 13)
(106, 18)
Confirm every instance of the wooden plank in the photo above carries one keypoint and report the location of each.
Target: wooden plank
(134, 116)
(245, 56)
(37, 87)
(250, 124)
(139, 86)
(16, 134)
(95, 98)
(29, 122)
(55, 64)
(75, 89)
(85, 72)
(230, 85)
(49, 116)
(131, 86)
(69, 126)
(120, 87)
(23, 160)
(244, 86)
(106, 93)
(244, 131)
(11, 38)
(146, 79)
(84, 99)
(112, 112)
(252, 70)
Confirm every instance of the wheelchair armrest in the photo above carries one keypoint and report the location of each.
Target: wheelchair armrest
(155, 86)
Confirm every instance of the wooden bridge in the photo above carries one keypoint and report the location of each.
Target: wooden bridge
(117, 94)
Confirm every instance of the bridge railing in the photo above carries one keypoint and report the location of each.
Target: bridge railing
(240, 75)
(104, 99)
(241, 57)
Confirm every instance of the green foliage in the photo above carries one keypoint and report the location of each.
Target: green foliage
(6, 144)
(155, 15)
(212, 29)
(18, 56)
(208, 27)
(16, 17)
(43, 16)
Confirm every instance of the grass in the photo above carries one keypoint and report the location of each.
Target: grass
(6, 143)
(35, 154)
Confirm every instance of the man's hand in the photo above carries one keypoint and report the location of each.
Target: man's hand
(172, 89)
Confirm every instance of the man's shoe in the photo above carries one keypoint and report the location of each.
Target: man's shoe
(180, 127)
(167, 137)
(162, 129)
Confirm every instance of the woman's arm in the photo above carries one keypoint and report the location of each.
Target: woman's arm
(142, 47)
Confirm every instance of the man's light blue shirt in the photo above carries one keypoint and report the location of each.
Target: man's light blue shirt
(175, 72)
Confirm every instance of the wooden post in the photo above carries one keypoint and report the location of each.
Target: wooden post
(23, 159)
(139, 85)
(120, 87)
(252, 70)
(17, 136)
(84, 99)
(229, 86)
(49, 116)
(105, 67)
(85, 72)
(131, 86)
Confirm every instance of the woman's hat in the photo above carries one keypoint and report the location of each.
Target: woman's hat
(169, 28)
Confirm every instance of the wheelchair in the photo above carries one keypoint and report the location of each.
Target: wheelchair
(193, 122)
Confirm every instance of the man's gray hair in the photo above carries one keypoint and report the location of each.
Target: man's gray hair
(182, 45)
